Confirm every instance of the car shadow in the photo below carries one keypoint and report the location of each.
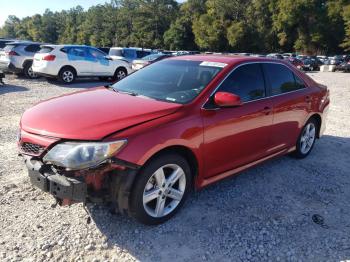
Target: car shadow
(81, 83)
(270, 205)
(11, 88)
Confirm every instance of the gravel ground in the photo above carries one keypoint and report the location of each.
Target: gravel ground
(265, 214)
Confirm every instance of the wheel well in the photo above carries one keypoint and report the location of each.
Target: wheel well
(26, 62)
(318, 120)
(182, 151)
(121, 68)
(71, 67)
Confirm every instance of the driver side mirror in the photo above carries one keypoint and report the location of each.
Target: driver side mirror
(226, 99)
(107, 57)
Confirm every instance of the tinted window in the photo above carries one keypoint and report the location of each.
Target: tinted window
(281, 78)
(32, 48)
(177, 81)
(129, 53)
(246, 81)
(298, 83)
(141, 54)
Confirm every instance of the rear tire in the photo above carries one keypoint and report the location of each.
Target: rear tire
(160, 189)
(67, 75)
(28, 71)
(306, 139)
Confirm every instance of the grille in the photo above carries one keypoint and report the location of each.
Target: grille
(32, 149)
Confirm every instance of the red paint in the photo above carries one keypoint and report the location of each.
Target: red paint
(224, 141)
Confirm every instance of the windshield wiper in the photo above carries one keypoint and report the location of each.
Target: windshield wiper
(131, 93)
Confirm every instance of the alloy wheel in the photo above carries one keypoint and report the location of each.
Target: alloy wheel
(307, 138)
(31, 73)
(164, 190)
(67, 76)
(120, 74)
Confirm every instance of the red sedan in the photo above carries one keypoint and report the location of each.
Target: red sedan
(143, 143)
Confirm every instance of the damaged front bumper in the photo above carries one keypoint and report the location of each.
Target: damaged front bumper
(110, 182)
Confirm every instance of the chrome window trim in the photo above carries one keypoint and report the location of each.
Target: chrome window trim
(255, 62)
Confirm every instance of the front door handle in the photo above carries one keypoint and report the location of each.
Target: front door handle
(267, 110)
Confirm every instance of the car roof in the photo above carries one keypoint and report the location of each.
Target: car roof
(227, 59)
(24, 43)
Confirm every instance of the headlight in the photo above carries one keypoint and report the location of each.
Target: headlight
(74, 155)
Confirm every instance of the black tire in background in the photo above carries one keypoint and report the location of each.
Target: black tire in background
(120, 73)
(67, 75)
(137, 209)
(28, 71)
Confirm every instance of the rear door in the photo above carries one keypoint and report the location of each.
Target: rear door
(291, 103)
(239, 135)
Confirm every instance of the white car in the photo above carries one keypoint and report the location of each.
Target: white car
(66, 62)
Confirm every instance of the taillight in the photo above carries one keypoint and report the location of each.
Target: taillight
(49, 57)
(12, 53)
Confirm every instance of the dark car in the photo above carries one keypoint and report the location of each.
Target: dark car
(311, 64)
(345, 66)
(147, 60)
(182, 123)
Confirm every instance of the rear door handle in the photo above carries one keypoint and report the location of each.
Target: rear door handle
(267, 110)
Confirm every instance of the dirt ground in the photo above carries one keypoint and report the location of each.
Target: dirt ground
(264, 214)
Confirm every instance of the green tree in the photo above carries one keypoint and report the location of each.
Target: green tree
(346, 15)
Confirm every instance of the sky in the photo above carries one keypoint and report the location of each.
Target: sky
(23, 8)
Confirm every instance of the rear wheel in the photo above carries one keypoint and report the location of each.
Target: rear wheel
(28, 71)
(160, 189)
(67, 75)
(306, 139)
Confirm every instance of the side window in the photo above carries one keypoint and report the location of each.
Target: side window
(281, 78)
(32, 48)
(299, 84)
(76, 51)
(246, 81)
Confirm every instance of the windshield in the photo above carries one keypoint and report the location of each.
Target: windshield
(116, 52)
(152, 57)
(176, 81)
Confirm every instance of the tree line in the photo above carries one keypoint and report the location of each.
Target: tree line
(307, 26)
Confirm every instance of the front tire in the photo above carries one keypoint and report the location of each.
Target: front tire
(306, 139)
(160, 189)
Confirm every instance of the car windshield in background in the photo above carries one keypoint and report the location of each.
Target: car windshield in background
(176, 81)
(152, 57)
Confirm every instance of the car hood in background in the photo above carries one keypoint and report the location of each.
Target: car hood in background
(92, 115)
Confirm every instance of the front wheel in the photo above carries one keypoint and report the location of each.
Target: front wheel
(119, 74)
(306, 139)
(160, 189)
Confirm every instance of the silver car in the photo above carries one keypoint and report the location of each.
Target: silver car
(17, 57)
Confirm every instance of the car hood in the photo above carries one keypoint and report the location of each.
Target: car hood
(92, 114)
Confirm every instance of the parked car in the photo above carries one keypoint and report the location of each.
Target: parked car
(311, 64)
(67, 62)
(4, 42)
(181, 123)
(345, 67)
(275, 56)
(322, 58)
(17, 57)
(147, 60)
(334, 60)
(128, 54)
(296, 62)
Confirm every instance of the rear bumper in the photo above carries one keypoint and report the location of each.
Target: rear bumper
(9, 68)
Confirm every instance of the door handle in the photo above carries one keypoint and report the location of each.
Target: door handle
(267, 110)
(308, 99)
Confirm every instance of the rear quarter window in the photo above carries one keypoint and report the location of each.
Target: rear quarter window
(281, 79)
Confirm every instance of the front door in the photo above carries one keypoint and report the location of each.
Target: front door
(237, 136)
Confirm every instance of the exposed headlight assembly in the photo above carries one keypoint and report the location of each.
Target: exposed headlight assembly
(75, 155)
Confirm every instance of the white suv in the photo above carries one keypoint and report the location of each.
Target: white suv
(66, 62)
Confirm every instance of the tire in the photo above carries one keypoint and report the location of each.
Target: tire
(120, 73)
(306, 142)
(67, 75)
(28, 71)
(151, 200)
